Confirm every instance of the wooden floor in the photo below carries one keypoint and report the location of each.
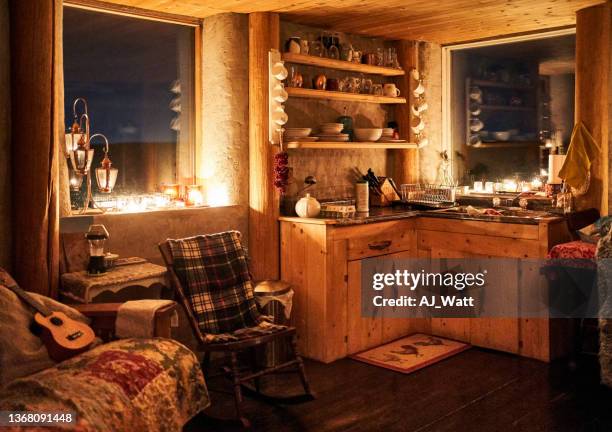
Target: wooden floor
(474, 391)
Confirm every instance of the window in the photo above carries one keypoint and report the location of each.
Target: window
(137, 76)
(508, 104)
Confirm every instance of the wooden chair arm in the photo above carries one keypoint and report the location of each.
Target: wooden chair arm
(104, 315)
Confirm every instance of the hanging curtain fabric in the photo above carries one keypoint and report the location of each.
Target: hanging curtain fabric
(37, 127)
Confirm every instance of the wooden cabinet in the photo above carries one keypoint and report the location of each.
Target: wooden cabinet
(324, 261)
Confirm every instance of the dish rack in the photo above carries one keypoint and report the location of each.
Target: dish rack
(433, 195)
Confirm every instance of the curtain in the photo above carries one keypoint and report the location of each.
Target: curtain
(37, 127)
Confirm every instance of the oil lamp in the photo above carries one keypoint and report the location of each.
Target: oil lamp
(106, 176)
(96, 236)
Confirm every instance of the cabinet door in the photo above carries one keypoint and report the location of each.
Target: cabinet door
(364, 333)
(495, 333)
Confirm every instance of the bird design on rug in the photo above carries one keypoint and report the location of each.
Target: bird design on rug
(408, 350)
(431, 341)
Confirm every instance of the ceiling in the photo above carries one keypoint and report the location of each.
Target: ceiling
(441, 21)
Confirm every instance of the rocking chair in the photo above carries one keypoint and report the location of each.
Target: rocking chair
(210, 276)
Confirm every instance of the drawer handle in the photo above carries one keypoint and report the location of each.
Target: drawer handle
(379, 245)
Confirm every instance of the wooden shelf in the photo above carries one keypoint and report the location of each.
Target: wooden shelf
(349, 145)
(342, 96)
(506, 108)
(485, 83)
(507, 144)
(341, 65)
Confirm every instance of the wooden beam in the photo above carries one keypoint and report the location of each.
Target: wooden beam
(123, 10)
(405, 162)
(592, 76)
(263, 197)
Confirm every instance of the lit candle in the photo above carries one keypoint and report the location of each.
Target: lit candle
(478, 186)
(194, 195)
(171, 190)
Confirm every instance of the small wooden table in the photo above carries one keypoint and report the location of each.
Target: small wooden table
(104, 316)
(81, 287)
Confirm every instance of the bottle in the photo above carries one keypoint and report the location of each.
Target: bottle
(362, 203)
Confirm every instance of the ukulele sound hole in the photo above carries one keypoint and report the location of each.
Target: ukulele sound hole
(56, 321)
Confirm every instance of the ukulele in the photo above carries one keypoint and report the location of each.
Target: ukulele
(63, 337)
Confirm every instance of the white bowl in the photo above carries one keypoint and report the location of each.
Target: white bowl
(332, 128)
(298, 132)
(501, 135)
(368, 134)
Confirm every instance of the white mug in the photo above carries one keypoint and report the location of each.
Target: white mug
(390, 90)
(279, 116)
(279, 71)
(279, 93)
(419, 90)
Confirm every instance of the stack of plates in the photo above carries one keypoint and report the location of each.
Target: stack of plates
(299, 135)
(332, 132)
(387, 136)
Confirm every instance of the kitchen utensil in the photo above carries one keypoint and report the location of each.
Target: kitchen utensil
(332, 84)
(417, 124)
(297, 132)
(279, 71)
(390, 90)
(279, 93)
(475, 108)
(320, 82)
(418, 90)
(304, 47)
(476, 124)
(475, 93)
(293, 45)
(331, 128)
(308, 207)
(501, 135)
(368, 134)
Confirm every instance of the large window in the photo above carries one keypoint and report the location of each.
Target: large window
(137, 76)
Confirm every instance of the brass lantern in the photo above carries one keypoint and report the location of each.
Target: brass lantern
(106, 175)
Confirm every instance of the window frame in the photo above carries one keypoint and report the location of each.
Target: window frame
(196, 24)
(447, 74)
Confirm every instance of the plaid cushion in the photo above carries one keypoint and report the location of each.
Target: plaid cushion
(214, 273)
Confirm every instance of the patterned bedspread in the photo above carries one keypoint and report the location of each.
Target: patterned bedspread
(126, 385)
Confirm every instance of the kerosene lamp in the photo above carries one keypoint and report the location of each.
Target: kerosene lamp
(96, 236)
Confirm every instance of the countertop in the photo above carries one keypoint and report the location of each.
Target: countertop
(381, 214)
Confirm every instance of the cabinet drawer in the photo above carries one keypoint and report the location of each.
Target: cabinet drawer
(382, 243)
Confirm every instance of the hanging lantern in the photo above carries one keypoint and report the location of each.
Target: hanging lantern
(106, 175)
(78, 131)
(81, 157)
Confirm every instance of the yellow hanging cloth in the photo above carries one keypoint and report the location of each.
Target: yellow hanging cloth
(582, 151)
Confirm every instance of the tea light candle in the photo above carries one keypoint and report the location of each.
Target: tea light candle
(171, 190)
(478, 186)
(489, 187)
(194, 195)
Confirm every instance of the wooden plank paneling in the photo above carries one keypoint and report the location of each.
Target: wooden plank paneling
(263, 197)
(592, 83)
(441, 22)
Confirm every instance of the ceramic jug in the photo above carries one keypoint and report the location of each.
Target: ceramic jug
(308, 207)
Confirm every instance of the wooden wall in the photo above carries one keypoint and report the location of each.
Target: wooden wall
(592, 86)
(263, 198)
